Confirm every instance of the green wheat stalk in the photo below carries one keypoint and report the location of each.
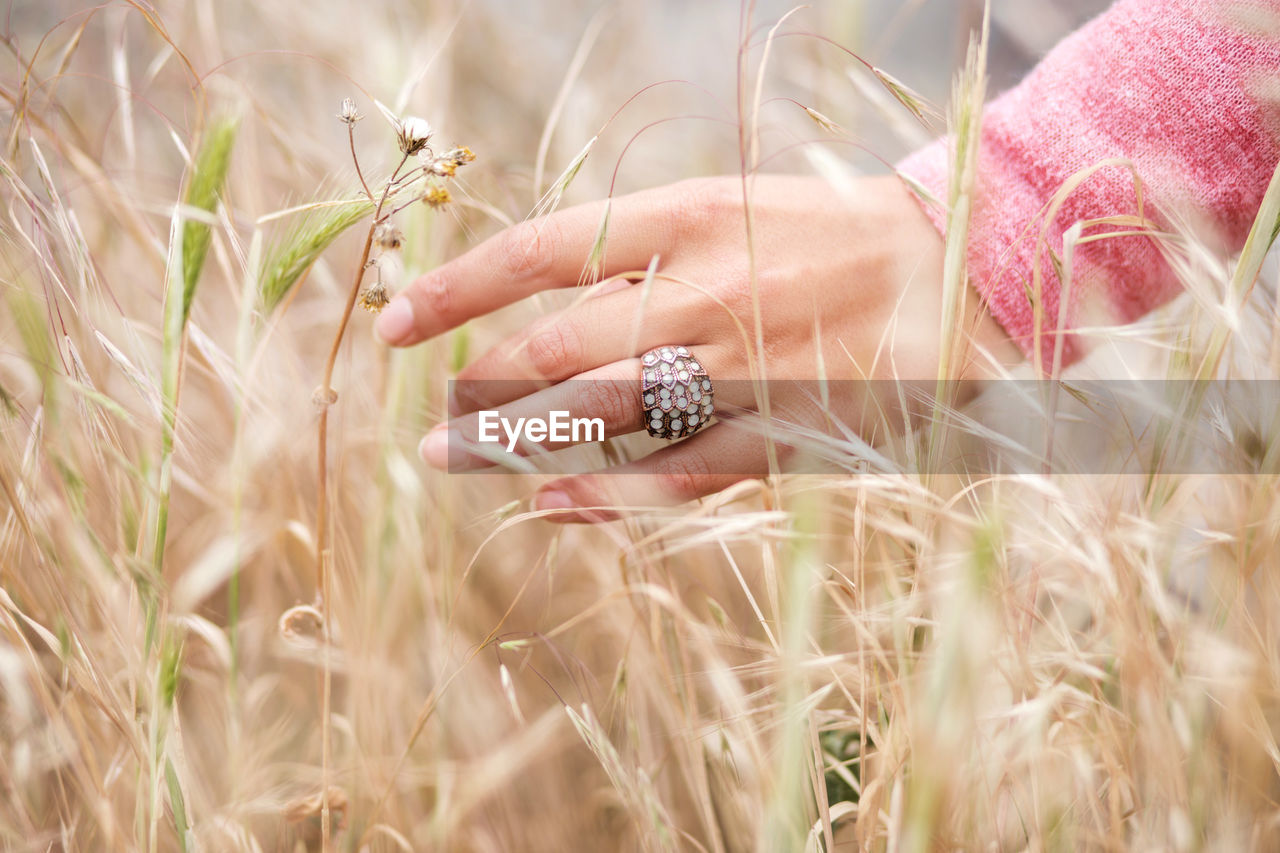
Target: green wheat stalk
(316, 230)
(189, 240)
(208, 175)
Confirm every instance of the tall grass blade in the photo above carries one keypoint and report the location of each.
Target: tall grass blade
(967, 102)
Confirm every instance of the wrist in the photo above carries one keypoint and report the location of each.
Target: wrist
(988, 349)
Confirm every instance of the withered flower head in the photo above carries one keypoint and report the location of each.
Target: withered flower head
(436, 196)
(443, 167)
(349, 114)
(413, 134)
(388, 237)
(446, 165)
(374, 298)
(461, 156)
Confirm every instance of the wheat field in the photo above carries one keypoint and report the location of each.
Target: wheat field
(880, 660)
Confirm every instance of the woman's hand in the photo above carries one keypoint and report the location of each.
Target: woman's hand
(848, 284)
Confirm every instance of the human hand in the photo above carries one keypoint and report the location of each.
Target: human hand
(848, 286)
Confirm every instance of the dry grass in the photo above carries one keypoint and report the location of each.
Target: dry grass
(893, 661)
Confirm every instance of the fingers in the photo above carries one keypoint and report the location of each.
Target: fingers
(609, 328)
(607, 398)
(536, 255)
(696, 467)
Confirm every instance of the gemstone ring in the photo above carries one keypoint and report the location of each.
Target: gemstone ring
(675, 392)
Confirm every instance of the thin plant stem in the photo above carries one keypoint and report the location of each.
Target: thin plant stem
(410, 176)
(394, 211)
(330, 363)
(351, 138)
(322, 522)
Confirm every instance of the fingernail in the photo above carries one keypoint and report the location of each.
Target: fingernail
(396, 321)
(434, 448)
(553, 499)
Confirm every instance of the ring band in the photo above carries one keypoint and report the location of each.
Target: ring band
(675, 392)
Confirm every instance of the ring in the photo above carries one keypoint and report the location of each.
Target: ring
(676, 392)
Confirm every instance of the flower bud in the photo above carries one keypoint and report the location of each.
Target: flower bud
(349, 114)
(413, 133)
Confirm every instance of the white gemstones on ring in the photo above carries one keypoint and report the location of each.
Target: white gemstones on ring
(676, 392)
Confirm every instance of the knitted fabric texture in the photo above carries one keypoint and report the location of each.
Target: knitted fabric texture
(1184, 92)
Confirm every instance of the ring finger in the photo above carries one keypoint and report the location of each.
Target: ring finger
(613, 327)
(603, 403)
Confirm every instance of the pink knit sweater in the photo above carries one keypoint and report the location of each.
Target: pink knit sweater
(1185, 90)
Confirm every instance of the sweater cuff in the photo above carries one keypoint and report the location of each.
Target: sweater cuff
(1179, 92)
(1004, 247)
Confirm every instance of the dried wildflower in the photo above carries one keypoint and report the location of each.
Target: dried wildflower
(349, 114)
(388, 237)
(446, 165)
(413, 134)
(436, 196)
(374, 298)
(461, 156)
(442, 167)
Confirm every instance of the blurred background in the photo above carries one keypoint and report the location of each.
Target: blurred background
(490, 72)
(917, 664)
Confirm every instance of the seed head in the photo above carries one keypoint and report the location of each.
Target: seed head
(413, 134)
(443, 167)
(446, 165)
(349, 114)
(436, 196)
(906, 96)
(822, 121)
(374, 298)
(388, 237)
(461, 156)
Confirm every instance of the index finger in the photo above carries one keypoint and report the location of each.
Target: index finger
(536, 255)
